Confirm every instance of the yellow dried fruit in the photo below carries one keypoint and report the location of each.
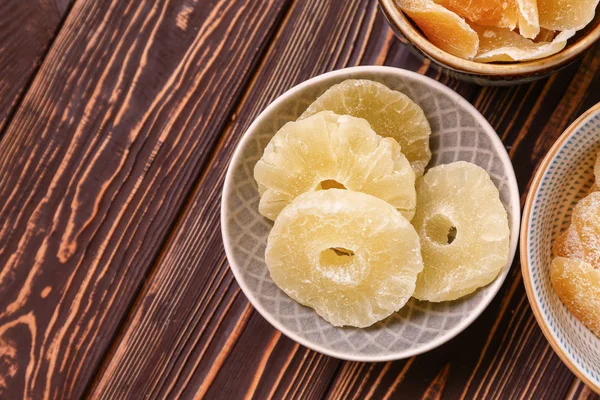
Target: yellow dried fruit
(351, 256)
(498, 13)
(568, 245)
(577, 284)
(464, 231)
(326, 151)
(561, 15)
(528, 18)
(389, 112)
(586, 222)
(444, 28)
(496, 44)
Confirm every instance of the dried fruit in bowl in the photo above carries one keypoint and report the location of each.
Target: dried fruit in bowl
(464, 231)
(326, 151)
(351, 256)
(444, 28)
(507, 30)
(389, 112)
(586, 222)
(566, 14)
(568, 244)
(497, 44)
(528, 18)
(577, 284)
(498, 13)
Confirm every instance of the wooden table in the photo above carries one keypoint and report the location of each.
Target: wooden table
(117, 121)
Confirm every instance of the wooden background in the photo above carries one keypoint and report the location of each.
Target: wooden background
(117, 121)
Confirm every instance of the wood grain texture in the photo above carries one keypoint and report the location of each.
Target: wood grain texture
(117, 131)
(95, 166)
(502, 355)
(27, 29)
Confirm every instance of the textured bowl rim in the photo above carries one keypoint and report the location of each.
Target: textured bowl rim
(396, 17)
(524, 251)
(514, 221)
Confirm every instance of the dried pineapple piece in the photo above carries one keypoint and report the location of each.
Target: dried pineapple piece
(389, 112)
(328, 150)
(562, 15)
(443, 28)
(464, 231)
(496, 44)
(498, 13)
(351, 256)
(568, 245)
(577, 284)
(586, 222)
(529, 21)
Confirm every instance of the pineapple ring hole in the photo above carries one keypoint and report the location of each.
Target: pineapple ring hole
(341, 266)
(336, 256)
(440, 229)
(330, 184)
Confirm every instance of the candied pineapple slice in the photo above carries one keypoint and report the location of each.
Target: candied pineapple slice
(568, 245)
(561, 15)
(498, 13)
(351, 256)
(444, 28)
(577, 284)
(327, 151)
(586, 222)
(464, 231)
(528, 18)
(496, 44)
(389, 112)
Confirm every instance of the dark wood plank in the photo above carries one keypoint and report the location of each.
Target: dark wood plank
(27, 29)
(96, 164)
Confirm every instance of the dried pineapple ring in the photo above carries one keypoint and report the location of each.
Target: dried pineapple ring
(351, 256)
(577, 284)
(328, 150)
(443, 28)
(528, 17)
(586, 222)
(560, 15)
(389, 112)
(568, 244)
(498, 13)
(463, 228)
(496, 44)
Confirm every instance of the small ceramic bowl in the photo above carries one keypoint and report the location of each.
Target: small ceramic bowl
(564, 177)
(496, 74)
(459, 133)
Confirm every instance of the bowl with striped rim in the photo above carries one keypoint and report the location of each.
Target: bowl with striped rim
(459, 132)
(564, 176)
